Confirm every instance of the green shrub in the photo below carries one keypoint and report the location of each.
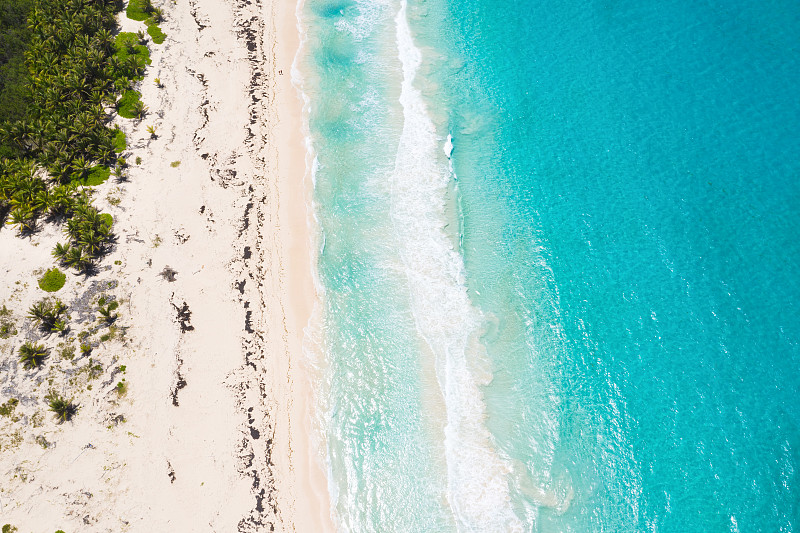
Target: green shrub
(126, 106)
(139, 9)
(107, 219)
(8, 528)
(155, 32)
(52, 280)
(127, 44)
(120, 141)
(68, 352)
(97, 174)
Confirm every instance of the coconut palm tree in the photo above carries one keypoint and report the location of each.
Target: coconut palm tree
(139, 109)
(47, 313)
(32, 355)
(80, 167)
(61, 251)
(64, 409)
(25, 220)
(107, 314)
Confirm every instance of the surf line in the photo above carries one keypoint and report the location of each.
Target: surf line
(478, 490)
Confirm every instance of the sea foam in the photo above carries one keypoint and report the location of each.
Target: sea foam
(478, 490)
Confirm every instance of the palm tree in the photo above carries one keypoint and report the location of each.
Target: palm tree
(61, 251)
(24, 219)
(74, 257)
(64, 409)
(139, 109)
(107, 313)
(81, 167)
(47, 313)
(91, 241)
(60, 201)
(32, 355)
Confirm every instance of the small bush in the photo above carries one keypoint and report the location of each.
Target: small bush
(68, 352)
(97, 175)
(120, 141)
(175, 164)
(106, 313)
(107, 219)
(52, 280)
(138, 160)
(8, 528)
(7, 328)
(139, 9)
(127, 105)
(155, 32)
(122, 387)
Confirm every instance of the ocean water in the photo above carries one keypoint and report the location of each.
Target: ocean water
(558, 263)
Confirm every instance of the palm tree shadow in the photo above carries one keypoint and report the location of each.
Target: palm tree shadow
(29, 230)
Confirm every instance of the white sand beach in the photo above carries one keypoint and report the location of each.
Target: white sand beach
(213, 274)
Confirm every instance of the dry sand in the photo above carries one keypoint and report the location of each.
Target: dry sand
(213, 432)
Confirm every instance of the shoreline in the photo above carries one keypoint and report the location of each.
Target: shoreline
(302, 476)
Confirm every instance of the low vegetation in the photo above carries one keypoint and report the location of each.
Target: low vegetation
(145, 11)
(7, 327)
(7, 408)
(53, 280)
(61, 69)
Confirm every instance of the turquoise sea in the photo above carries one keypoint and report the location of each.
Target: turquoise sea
(558, 258)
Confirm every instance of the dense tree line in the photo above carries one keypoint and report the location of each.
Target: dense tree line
(14, 38)
(75, 70)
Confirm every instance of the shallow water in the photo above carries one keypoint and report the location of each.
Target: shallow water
(583, 318)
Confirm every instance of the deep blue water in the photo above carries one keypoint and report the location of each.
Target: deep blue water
(607, 276)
